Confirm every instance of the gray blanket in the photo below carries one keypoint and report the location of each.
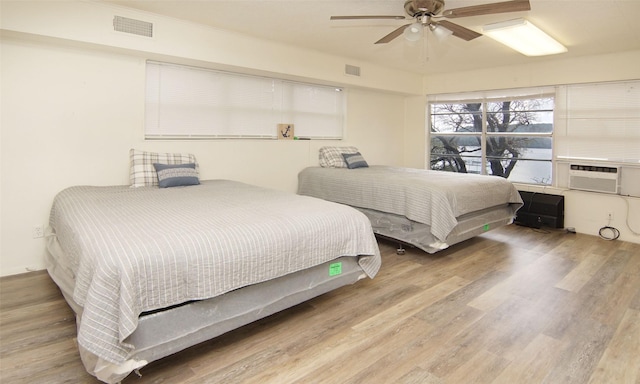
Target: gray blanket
(135, 250)
(433, 198)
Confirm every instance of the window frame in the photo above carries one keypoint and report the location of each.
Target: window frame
(484, 99)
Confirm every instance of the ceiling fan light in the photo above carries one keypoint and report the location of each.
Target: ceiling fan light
(413, 32)
(524, 37)
(440, 32)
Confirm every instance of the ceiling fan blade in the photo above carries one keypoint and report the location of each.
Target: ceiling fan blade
(397, 32)
(488, 9)
(367, 18)
(459, 31)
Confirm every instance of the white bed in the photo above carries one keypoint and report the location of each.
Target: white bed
(150, 271)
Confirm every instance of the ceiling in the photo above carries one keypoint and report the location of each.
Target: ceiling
(585, 27)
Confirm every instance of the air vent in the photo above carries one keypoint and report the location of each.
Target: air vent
(136, 27)
(594, 178)
(352, 70)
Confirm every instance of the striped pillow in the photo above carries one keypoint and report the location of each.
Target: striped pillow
(142, 173)
(176, 175)
(354, 160)
(331, 157)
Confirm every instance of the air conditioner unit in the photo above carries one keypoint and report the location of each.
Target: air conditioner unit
(594, 178)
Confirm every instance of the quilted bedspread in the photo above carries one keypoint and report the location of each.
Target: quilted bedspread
(434, 198)
(139, 249)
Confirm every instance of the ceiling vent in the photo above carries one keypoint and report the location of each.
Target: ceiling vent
(352, 70)
(136, 27)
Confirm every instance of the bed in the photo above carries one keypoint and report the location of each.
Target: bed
(430, 210)
(150, 271)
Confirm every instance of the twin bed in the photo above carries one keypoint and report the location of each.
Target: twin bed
(171, 261)
(430, 210)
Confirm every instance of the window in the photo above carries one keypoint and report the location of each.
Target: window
(599, 122)
(496, 134)
(194, 103)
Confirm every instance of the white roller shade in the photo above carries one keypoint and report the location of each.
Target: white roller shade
(187, 102)
(599, 121)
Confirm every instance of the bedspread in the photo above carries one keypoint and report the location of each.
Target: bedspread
(434, 198)
(139, 249)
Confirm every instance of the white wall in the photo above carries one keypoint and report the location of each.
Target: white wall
(70, 116)
(585, 211)
(72, 99)
(73, 106)
(87, 23)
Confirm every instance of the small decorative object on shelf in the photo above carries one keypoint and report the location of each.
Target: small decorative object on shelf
(285, 131)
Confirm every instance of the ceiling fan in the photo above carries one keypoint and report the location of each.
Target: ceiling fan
(425, 11)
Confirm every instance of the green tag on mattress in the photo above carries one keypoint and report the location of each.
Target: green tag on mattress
(335, 269)
(486, 227)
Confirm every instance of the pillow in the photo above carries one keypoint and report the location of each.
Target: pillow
(142, 172)
(354, 160)
(331, 157)
(176, 175)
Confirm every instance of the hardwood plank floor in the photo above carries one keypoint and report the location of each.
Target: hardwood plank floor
(514, 305)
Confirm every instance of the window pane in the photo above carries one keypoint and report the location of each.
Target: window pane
(528, 115)
(456, 153)
(460, 164)
(519, 158)
(526, 171)
(519, 147)
(456, 117)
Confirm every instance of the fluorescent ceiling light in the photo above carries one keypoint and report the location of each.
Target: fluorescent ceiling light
(524, 37)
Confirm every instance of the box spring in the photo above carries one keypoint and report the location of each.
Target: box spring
(419, 235)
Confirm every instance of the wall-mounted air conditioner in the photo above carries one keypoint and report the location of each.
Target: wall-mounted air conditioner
(594, 178)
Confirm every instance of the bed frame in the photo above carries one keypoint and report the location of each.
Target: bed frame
(408, 232)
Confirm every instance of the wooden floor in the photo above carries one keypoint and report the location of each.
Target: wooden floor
(515, 305)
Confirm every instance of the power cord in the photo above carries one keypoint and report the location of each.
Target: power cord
(613, 233)
(628, 215)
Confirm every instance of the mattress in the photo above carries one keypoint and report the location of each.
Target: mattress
(444, 207)
(121, 254)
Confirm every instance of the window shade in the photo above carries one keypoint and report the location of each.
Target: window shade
(188, 102)
(599, 121)
(310, 107)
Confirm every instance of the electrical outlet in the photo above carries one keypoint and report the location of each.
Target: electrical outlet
(38, 231)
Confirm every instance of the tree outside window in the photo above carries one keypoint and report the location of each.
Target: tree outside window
(507, 138)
